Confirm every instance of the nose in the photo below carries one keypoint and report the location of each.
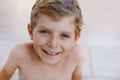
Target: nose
(53, 42)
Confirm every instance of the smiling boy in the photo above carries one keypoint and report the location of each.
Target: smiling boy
(53, 53)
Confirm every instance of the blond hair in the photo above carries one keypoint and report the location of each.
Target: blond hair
(57, 9)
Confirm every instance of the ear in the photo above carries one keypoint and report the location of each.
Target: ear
(30, 31)
(77, 37)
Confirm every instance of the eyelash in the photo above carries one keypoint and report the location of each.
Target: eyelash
(66, 36)
(44, 31)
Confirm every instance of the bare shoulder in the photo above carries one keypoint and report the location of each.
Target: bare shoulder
(18, 54)
(78, 52)
(21, 49)
(15, 57)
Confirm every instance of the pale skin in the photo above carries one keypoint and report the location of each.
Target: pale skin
(51, 55)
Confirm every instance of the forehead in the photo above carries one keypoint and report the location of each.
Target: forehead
(63, 23)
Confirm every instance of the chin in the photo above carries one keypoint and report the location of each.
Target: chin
(50, 62)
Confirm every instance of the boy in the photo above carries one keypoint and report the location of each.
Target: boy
(53, 53)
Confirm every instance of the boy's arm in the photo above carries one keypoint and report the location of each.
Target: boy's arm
(8, 69)
(77, 74)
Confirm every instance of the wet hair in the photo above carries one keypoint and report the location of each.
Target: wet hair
(57, 9)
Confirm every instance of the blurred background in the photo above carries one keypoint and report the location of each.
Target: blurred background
(100, 34)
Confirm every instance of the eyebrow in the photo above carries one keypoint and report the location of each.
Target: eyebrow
(66, 32)
(41, 26)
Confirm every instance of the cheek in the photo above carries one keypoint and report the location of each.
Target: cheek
(68, 45)
(37, 40)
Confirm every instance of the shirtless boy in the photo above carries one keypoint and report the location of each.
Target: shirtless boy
(53, 53)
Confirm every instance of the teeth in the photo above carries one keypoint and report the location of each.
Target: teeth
(52, 53)
(49, 53)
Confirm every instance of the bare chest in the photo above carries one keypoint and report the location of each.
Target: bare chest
(34, 72)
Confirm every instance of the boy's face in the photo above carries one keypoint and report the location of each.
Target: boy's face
(53, 40)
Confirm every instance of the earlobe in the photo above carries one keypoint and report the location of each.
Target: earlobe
(77, 37)
(30, 31)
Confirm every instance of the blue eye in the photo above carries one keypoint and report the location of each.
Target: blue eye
(44, 32)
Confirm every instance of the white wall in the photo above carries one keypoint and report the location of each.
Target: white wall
(102, 22)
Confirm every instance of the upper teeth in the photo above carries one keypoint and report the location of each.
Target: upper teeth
(52, 53)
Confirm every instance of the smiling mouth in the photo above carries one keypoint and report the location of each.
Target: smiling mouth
(51, 53)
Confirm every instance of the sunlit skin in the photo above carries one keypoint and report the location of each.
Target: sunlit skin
(53, 37)
(51, 55)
